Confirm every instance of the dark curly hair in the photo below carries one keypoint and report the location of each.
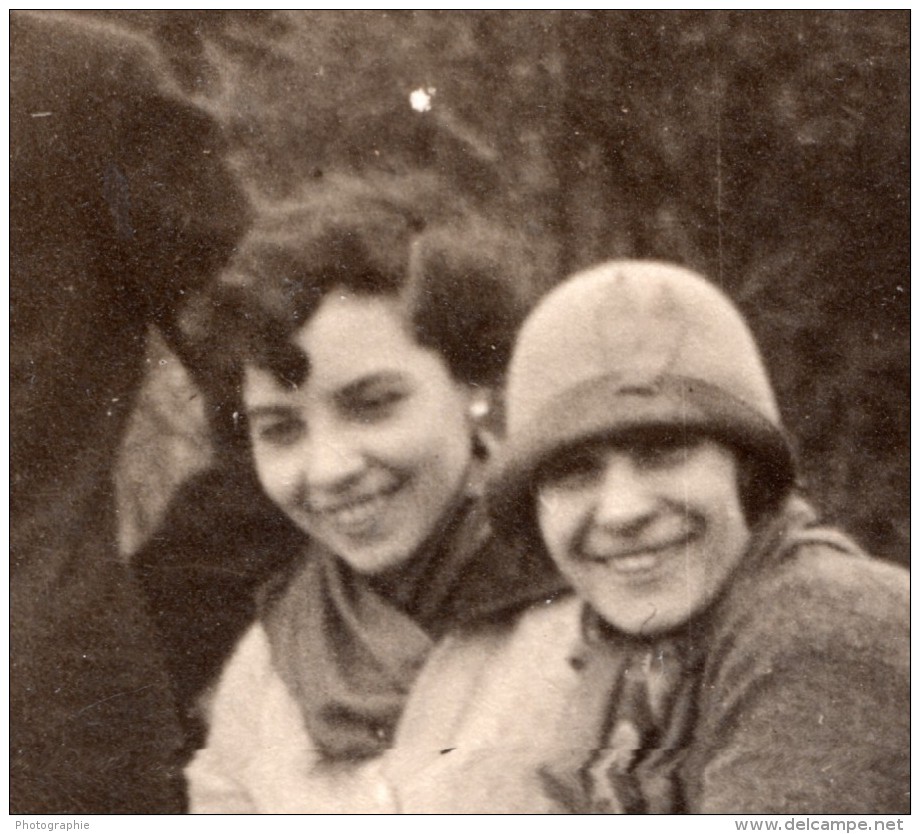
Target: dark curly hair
(465, 279)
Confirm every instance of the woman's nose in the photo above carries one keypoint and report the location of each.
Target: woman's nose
(624, 500)
(332, 459)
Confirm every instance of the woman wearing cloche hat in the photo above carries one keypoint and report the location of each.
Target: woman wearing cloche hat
(733, 655)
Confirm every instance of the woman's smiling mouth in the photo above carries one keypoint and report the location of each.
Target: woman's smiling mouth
(358, 515)
(641, 561)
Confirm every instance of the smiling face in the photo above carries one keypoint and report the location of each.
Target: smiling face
(369, 452)
(648, 531)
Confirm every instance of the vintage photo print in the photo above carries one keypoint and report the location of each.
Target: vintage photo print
(459, 412)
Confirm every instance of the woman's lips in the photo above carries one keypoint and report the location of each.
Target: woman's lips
(359, 514)
(635, 561)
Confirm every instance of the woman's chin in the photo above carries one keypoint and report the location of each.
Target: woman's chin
(374, 556)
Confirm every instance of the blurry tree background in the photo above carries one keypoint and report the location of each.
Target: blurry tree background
(769, 150)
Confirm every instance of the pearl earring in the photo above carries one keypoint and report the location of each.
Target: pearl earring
(479, 409)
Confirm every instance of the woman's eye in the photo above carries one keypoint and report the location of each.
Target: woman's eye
(372, 406)
(660, 453)
(572, 470)
(280, 432)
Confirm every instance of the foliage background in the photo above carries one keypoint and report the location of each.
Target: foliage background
(770, 150)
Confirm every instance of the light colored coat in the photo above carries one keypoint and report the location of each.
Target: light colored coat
(796, 700)
(473, 735)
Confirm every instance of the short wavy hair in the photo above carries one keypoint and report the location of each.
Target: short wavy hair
(466, 280)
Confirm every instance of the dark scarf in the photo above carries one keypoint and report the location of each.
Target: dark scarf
(349, 647)
(628, 727)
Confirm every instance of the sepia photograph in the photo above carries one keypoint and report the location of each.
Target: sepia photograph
(460, 412)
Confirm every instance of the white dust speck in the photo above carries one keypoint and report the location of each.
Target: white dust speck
(420, 99)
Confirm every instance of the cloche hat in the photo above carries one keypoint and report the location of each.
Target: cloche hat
(629, 345)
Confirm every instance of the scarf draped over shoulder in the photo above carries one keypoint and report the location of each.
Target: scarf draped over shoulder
(349, 651)
(625, 734)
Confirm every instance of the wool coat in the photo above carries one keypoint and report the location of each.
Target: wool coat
(310, 705)
(120, 206)
(472, 736)
(790, 695)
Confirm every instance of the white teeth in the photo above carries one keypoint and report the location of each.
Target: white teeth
(635, 563)
(354, 515)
